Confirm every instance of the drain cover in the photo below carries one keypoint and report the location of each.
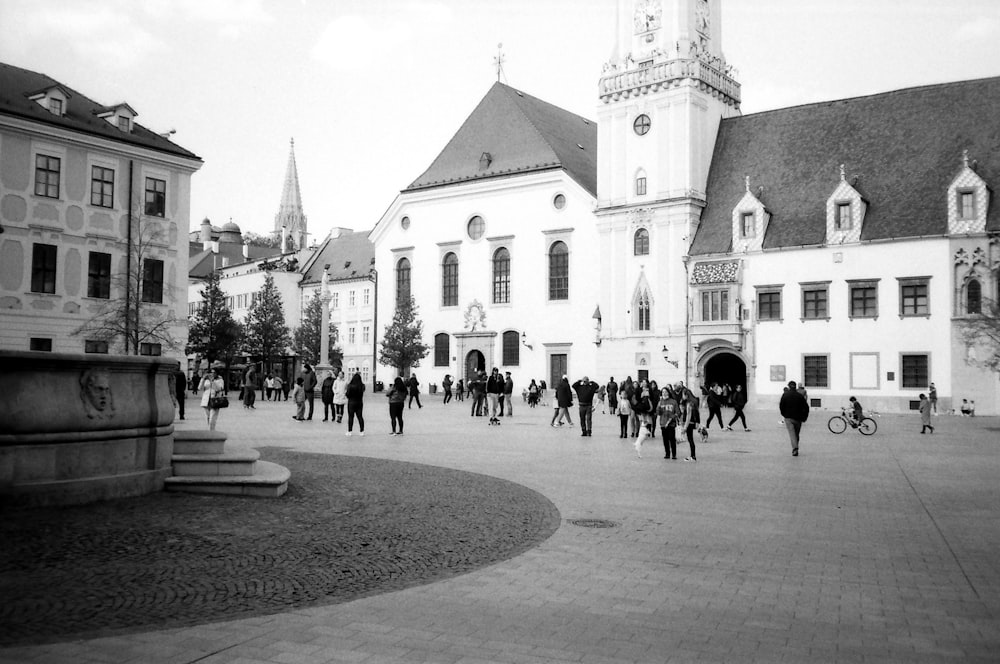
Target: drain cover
(593, 523)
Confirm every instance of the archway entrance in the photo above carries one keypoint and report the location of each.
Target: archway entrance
(726, 369)
(474, 363)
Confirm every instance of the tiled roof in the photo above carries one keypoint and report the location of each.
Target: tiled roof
(349, 256)
(904, 147)
(201, 262)
(522, 134)
(716, 272)
(17, 84)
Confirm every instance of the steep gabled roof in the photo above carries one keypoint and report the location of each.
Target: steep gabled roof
(905, 147)
(521, 134)
(349, 256)
(80, 114)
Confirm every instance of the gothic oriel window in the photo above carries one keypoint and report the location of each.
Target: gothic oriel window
(974, 297)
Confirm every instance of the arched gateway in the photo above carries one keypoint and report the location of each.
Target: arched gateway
(475, 362)
(724, 366)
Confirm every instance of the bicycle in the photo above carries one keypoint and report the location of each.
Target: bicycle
(839, 423)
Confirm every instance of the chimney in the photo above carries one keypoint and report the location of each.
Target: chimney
(284, 239)
(205, 235)
(246, 251)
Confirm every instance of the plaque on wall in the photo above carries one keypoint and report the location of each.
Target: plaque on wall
(778, 372)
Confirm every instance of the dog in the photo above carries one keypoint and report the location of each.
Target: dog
(704, 434)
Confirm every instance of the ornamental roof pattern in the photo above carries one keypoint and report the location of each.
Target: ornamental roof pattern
(717, 272)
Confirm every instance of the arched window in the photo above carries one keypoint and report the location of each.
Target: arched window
(501, 276)
(402, 280)
(511, 348)
(449, 280)
(642, 312)
(442, 349)
(640, 242)
(559, 271)
(974, 297)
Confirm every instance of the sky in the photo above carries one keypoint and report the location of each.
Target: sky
(372, 90)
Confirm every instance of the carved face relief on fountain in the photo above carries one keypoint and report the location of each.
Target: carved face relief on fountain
(95, 392)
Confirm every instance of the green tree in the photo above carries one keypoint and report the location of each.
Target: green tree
(265, 333)
(402, 343)
(214, 333)
(307, 338)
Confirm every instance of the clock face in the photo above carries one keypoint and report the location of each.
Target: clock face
(647, 15)
(702, 17)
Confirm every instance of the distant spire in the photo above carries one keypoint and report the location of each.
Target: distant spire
(290, 214)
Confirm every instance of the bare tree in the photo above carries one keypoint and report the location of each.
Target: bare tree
(981, 333)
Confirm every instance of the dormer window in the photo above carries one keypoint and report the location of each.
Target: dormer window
(747, 225)
(843, 220)
(52, 99)
(120, 115)
(967, 204)
(485, 160)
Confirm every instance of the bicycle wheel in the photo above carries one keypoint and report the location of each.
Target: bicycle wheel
(868, 426)
(837, 424)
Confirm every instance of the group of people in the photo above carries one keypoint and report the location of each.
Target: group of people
(490, 395)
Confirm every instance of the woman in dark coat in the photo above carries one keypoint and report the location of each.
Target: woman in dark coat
(414, 386)
(564, 398)
(397, 395)
(326, 394)
(355, 404)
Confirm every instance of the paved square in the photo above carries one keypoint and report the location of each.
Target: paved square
(861, 549)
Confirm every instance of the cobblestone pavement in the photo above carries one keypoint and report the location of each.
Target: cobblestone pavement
(347, 527)
(859, 550)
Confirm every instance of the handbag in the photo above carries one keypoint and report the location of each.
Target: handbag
(218, 402)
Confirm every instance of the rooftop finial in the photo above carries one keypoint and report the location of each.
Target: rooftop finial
(498, 61)
(292, 141)
(746, 181)
(842, 175)
(965, 158)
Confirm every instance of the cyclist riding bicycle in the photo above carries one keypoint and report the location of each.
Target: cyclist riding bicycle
(856, 413)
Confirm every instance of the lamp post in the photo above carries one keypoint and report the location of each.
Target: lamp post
(373, 273)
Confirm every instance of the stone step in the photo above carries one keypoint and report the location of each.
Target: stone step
(236, 462)
(199, 442)
(269, 480)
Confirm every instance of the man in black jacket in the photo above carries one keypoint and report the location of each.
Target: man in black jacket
(795, 409)
(585, 390)
(309, 386)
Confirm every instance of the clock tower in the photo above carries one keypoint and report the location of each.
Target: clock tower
(662, 94)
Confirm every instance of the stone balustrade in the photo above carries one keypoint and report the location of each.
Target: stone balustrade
(616, 84)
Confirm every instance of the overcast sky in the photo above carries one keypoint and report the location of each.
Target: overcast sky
(372, 90)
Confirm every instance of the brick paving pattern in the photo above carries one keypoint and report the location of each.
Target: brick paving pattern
(880, 549)
(348, 527)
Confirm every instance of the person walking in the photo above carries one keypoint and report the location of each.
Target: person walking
(414, 388)
(355, 404)
(309, 387)
(508, 392)
(666, 413)
(326, 395)
(446, 384)
(299, 399)
(268, 386)
(932, 394)
(925, 414)
(714, 399)
(494, 388)
(563, 401)
(339, 395)
(795, 409)
(397, 396)
(585, 390)
(180, 389)
(612, 388)
(460, 390)
(692, 418)
(212, 386)
(738, 399)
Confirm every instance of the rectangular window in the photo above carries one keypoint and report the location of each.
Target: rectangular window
(365, 334)
(843, 220)
(746, 225)
(769, 305)
(152, 282)
(815, 301)
(350, 298)
(43, 268)
(367, 295)
(149, 349)
(102, 187)
(55, 106)
(815, 370)
(99, 275)
(95, 346)
(449, 281)
(334, 300)
(558, 276)
(715, 305)
(123, 123)
(916, 370)
(156, 197)
(640, 186)
(913, 297)
(350, 335)
(864, 299)
(511, 348)
(442, 349)
(966, 205)
(37, 343)
(501, 277)
(47, 176)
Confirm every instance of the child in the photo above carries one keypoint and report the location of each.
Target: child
(666, 413)
(299, 397)
(624, 412)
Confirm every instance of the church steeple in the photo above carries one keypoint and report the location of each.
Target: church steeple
(290, 214)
